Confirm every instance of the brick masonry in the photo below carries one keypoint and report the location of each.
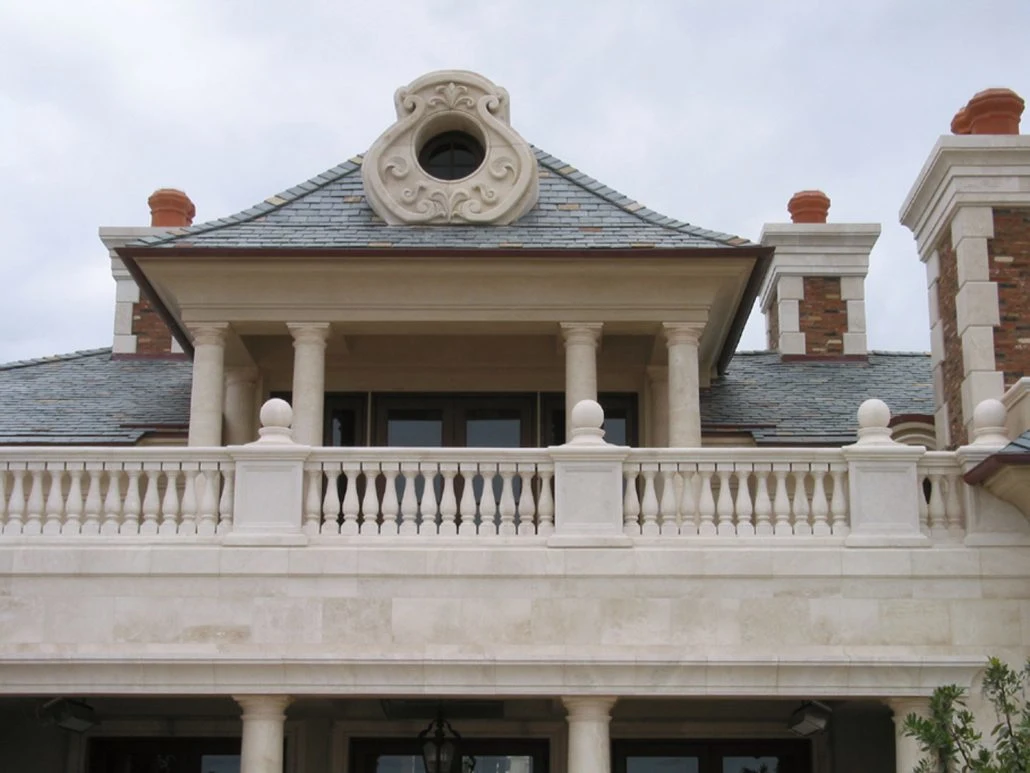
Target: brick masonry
(824, 316)
(152, 334)
(774, 325)
(952, 373)
(1009, 259)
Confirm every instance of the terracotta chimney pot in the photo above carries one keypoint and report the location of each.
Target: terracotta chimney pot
(960, 123)
(995, 111)
(808, 207)
(170, 208)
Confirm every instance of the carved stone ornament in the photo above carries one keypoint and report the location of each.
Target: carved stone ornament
(503, 187)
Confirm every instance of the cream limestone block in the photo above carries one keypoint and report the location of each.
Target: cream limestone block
(976, 303)
(757, 563)
(856, 316)
(116, 560)
(987, 623)
(914, 622)
(287, 621)
(976, 222)
(971, 260)
(937, 343)
(977, 386)
(357, 622)
(21, 620)
(843, 621)
(789, 315)
(933, 305)
(792, 343)
(79, 620)
(124, 344)
(1003, 562)
(191, 559)
(933, 268)
(852, 288)
(1005, 588)
(139, 619)
(429, 620)
(253, 560)
(261, 746)
(705, 623)
(876, 588)
(566, 620)
(319, 560)
(629, 621)
(790, 288)
(769, 624)
(945, 564)
(855, 343)
(592, 561)
(589, 742)
(487, 622)
(947, 588)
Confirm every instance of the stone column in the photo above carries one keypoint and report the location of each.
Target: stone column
(207, 392)
(684, 385)
(308, 380)
(262, 742)
(589, 741)
(658, 376)
(906, 750)
(581, 339)
(240, 405)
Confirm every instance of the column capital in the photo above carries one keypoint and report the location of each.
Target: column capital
(309, 332)
(902, 707)
(263, 706)
(589, 707)
(209, 333)
(682, 333)
(581, 332)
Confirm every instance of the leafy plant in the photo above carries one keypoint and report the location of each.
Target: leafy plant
(950, 740)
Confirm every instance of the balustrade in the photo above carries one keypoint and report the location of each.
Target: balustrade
(941, 513)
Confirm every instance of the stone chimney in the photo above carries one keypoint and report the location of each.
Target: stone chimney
(139, 330)
(814, 295)
(970, 213)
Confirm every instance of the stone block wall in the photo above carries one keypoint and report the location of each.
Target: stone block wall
(824, 316)
(152, 335)
(950, 370)
(1009, 256)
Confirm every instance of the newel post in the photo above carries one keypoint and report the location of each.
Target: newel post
(269, 493)
(588, 484)
(884, 486)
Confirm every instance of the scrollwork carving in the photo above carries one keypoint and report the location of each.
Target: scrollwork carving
(501, 190)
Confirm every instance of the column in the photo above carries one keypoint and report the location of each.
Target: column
(684, 385)
(589, 741)
(308, 380)
(658, 376)
(906, 750)
(240, 405)
(581, 339)
(262, 742)
(206, 395)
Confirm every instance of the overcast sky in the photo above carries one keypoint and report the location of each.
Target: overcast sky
(711, 112)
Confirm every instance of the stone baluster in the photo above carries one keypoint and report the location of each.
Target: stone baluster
(506, 503)
(331, 500)
(204, 488)
(923, 481)
(649, 502)
(448, 500)
(467, 508)
(763, 504)
(34, 506)
(313, 501)
(408, 501)
(226, 501)
(630, 500)
(351, 503)
(937, 513)
(744, 507)
(781, 503)
(526, 506)
(953, 507)
(820, 505)
(706, 503)
(16, 502)
(170, 504)
(132, 505)
(74, 502)
(91, 511)
(690, 500)
(839, 503)
(188, 505)
(800, 505)
(111, 523)
(151, 498)
(427, 504)
(489, 501)
(391, 504)
(667, 504)
(54, 500)
(370, 502)
(545, 504)
(724, 526)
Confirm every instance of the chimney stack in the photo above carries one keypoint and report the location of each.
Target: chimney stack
(970, 213)
(814, 295)
(170, 208)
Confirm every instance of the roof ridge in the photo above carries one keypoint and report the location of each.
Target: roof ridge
(269, 204)
(622, 201)
(76, 355)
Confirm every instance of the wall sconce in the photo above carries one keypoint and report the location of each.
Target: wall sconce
(811, 718)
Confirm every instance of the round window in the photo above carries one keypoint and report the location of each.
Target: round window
(452, 155)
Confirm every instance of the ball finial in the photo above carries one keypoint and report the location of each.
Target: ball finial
(586, 420)
(989, 424)
(874, 418)
(276, 417)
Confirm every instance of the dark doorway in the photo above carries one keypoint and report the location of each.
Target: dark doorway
(492, 755)
(724, 756)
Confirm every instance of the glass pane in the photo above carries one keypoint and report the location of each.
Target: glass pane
(220, 763)
(403, 763)
(344, 428)
(662, 765)
(493, 429)
(504, 764)
(615, 430)
(399, 763)
(750, 765)
(417, 428)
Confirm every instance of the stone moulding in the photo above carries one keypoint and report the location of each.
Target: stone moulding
(501, 190)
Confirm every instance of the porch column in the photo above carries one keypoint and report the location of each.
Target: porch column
(240, 405)
(308, 380)
(589, 741)
(261, 749)
(581, 339)
(206, 394)
(684, 385)
(658, 376)
(906, 750)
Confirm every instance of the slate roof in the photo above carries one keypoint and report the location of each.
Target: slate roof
(809, 402)
(92, 398)
(329, 211)
(1019, 446)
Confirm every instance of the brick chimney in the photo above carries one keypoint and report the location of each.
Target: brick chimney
(970, 213)
(139, 330)
(814, 295)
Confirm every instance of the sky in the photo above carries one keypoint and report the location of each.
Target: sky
(710, 112)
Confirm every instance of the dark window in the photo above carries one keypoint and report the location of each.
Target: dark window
(451, 156)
